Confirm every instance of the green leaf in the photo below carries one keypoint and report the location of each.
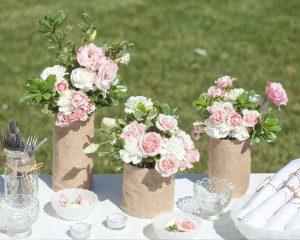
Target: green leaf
(102, 154)
(152, 114)
(105, 129)
(166, 109)
(274, 128)
(138, 114)
(47, 96)
(91, 148)
(27, 97)
(272, 121)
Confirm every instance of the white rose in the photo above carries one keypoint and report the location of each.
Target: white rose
(109, 122)
(57, 70)
(257, 99)
(234, 93)
(240, 133)
(131, 152)
(83, 78)
(173, 146)
(65, 102)
(133, 102)
(125, 58)
(217, 130)
(186, 139)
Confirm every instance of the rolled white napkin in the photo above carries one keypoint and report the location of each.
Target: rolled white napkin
(270, 188)
(280, 220)
(294, 222)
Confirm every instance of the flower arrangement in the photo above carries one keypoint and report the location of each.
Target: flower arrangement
(148, 137)
(182, 225)
(234, 113)
(84, 79)
(80, 201)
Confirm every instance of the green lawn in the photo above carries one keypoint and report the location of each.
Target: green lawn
(253, 41)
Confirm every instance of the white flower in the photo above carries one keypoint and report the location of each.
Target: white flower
(217, 130)
(186, 139)
(139, 101)
(131, 152)
(57, 70)
(234, 93)
(257, 99)
(83, 78)
(109, 122)
(125, 58)
(173, 146)
(65, 102)
(240, 133)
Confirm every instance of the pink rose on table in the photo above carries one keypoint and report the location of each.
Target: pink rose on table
(63, 200)
(62, 120)
(276, 94)
(61, 85)
(73, 117)
(251, 117)
(224, 82)
(90, 56)
(79, 99)
(167, 165)
(107, 73)
(166, 123)
(81, 114)
(82, 200)
(192, 156)
(187, 225)
(235, 120)
(150, 143)
(133, 130)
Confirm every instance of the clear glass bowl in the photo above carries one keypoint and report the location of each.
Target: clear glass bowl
(18, 213)
(212, 197)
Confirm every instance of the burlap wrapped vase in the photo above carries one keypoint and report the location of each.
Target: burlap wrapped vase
(146, 193)
(231, 160)
(71, 167)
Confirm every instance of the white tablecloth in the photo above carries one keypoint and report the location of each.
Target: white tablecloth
(109, 190)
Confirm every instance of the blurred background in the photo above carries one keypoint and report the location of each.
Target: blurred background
(181, 47)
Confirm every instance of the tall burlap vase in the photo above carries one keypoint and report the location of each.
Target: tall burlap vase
(231, 160)
(146, 193)
(71, 167)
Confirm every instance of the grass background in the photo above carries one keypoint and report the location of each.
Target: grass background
(253, 41)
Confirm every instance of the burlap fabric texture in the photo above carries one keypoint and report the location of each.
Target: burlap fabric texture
(231, 160)
(71, 167)
(146, 193)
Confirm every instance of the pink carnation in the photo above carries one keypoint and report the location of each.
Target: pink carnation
(150, 143)
(73, 117)
(228, 107)
(61, 85)
(79, 99)
(81, 114)
(235, 120)
(187, 225)
(192, 156)
(251, 117)
(166, 123)
(62, 120)
(107, 73)
(224, 82)
(276, 94)
(167, 165)
(219, 117)
(214, 92)
(90, 56)
(133, 129)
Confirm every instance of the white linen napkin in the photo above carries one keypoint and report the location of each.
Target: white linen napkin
(280, 220)
(270, 188)
(294, 222)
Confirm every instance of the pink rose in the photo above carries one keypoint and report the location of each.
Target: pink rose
(192, 156)
(182, 165)
(219, 117)
(62, 120)
(228, 107)
(79, 99)
(133, 129)
(276, 94)
(61, 85)
(81, 114)
(63, 200)
(167, 165)
(90, 107)
(166, 123)
(214, 92)
(73, 117)
(251, 117)
(216, 107)
(150, 143)
(224, 82)
(235, 120)
(187, 225)
(82, 200)
(107, 73)
(90, 56)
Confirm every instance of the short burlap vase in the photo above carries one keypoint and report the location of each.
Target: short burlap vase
(72, 168)
(146, 193)
(231, 160)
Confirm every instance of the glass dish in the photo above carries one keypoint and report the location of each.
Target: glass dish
(116, 221)
(18, 213)
(212, 196)
(80, 231)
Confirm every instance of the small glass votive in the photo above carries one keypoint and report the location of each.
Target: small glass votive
(116, 221)
(80, 231)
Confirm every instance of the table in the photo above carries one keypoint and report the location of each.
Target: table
(109, 190)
